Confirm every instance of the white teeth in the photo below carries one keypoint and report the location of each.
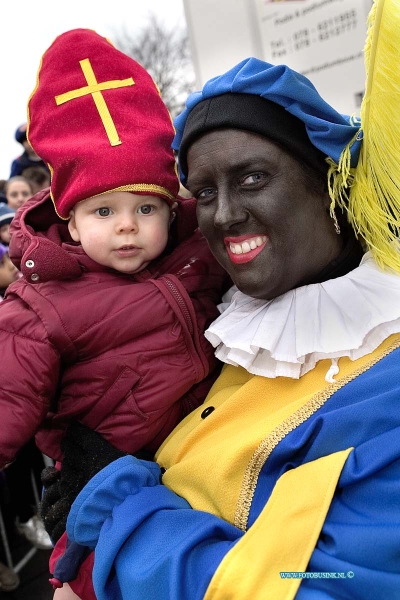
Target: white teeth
(248, 245)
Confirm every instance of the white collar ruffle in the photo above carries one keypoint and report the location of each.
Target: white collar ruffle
(285, 337)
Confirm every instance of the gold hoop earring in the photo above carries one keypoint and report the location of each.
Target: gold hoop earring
(335, 221)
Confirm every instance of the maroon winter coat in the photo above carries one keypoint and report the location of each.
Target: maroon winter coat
(123, 354)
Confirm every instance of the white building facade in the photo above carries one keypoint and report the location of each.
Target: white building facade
(322, 39)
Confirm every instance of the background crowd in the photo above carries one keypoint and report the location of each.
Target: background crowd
(20, 482)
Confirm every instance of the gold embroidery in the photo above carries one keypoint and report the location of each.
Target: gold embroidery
(94, 88)
(269, 443)
(141, 187)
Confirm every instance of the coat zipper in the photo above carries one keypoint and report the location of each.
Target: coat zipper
(188, 319)
(182, 304)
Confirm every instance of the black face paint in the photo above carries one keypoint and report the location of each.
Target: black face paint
(262, 222)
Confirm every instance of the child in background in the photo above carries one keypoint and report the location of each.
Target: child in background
(3, 198)
(8, 272)
(18, 190)
(38, 177)
(28, 158)
(6, 216)
(106, 327)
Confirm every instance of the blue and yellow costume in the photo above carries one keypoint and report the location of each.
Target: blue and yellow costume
(314, 483)
(276, 488)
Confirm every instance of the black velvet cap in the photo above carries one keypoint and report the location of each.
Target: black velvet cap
(255, 114)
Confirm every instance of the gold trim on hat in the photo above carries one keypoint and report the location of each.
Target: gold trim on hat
(150, 188)
(94, 88)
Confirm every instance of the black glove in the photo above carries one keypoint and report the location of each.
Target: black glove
(50, 477)
(85, 454)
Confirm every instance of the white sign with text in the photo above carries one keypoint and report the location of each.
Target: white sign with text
(323, 40)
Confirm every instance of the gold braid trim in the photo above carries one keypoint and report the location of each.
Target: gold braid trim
(141, 187)
(268, 444)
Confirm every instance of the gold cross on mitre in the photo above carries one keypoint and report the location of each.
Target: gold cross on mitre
(95, 90)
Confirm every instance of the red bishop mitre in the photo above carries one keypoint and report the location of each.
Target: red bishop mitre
(97, 119)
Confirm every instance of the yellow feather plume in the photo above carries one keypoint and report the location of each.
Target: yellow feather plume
(373, 204)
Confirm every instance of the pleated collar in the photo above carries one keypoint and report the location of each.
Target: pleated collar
(285, 337)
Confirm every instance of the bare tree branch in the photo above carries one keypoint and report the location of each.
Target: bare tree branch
(165, 54)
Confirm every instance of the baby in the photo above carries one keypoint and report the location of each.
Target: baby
(106, 325)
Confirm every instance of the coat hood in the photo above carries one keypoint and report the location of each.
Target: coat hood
(37, 238)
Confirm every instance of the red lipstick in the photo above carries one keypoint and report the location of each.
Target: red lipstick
(244, 257)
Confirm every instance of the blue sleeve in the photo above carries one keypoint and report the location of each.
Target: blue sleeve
(124, 507)
(151, 544)
(360, 535)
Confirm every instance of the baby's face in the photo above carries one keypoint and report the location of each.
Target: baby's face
(121, 230)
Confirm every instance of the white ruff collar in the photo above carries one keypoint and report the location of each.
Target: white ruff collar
(285, 337)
